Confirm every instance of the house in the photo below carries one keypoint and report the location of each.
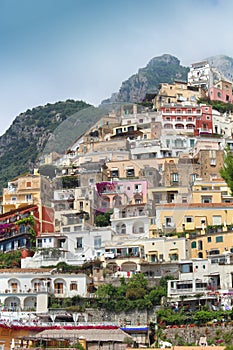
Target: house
(74, 248)
(31, 190)
(19, 227)
(131, 220)
(208, 281)
(191, 120)
(201, 75)
(29, 289)
(221, 91)
(177, 92)
(118, 193)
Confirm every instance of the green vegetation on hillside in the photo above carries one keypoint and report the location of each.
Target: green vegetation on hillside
(26, 138)
(220, 106)
(227, 171)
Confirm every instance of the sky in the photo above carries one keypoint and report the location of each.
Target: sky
(53, 50)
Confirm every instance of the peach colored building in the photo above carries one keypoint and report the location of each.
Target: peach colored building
(221, 91)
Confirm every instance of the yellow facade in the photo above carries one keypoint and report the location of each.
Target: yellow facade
(214, 241)
(176, 93)
(215, 191)
(26, 190)
(193, 217)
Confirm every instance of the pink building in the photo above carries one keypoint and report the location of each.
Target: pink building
(191, 120)
(120, 193)
(221, 91)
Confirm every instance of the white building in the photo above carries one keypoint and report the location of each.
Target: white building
(28, 290)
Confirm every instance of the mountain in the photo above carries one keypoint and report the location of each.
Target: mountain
(23, 143)
(223, 66)
(162, 69)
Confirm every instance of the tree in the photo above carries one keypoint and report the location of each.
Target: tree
(103, 219)
(227, 171)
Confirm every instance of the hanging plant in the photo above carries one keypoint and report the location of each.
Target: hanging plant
(29, 221)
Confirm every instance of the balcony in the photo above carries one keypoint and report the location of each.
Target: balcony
(132, 215)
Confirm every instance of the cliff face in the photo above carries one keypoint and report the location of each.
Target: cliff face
(223, 66)
(23, 142)
(162, 69)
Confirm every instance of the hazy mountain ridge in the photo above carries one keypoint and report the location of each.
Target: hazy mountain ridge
(165, 68)
(223, 65)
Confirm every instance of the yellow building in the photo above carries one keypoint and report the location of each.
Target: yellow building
(177, 92)
(26, 190)
(214, 241)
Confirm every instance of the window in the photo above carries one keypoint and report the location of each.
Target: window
(66, 229)
(199, 245)
(115, 173)
(184, 200)
(209, 239)
(97, 242)
(28, 184)
(130, 128)
(79, 242)
(194, 245)
(130, 172)
(157, 197)
(168, 222)
(28, 197)
(186, 268)
(193, 177)
(175, 177)
(219, 239)
(189, 219)
(138, 188)
(73, 286)
(138, 201)
(119, 131)
(206, 199)
(217, 220)
(58, 288)
(14, 287)
(214, 252)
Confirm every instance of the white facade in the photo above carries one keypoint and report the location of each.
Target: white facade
(75, 248)
(133, 221)
(200, 74)
(27, 290)
(222, 124)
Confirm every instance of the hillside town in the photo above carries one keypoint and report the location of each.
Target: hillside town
(138, 193)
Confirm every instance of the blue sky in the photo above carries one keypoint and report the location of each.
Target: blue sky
(53, 50)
